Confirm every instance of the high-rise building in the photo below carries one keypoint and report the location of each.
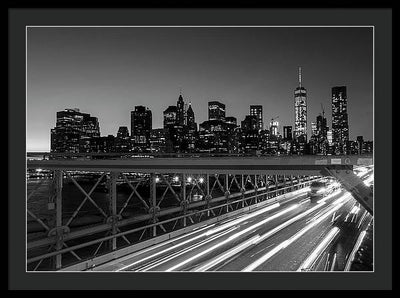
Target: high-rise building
(180, 111)
(190, 120)
(340, 121)
(212, 136)
(257, 110)
(314, 131)
(264, 141)
(104, 144)
(250, 136)
(287, 133)
(190, 128)
(170, 115)
(216, 110)
(123, 141)
(250, 123)
(300, 116)
(319, 135)
(274, 128)
(322, 127)
(329, 137)
(179, 121)
(141, 125)
(73, 131)
(159, 140)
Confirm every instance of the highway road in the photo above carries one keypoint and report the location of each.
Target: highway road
(292, 235)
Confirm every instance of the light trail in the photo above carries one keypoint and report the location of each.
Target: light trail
(355, 249)
(362, 219)
(186, 250)
(355, 209)
(244, 218)
(288, 222)
(208, 233)
(211, 232)
(231, 238)
(341, 199)
(227, 254)
(271, 232)
(307, 264)
(196, 230)
(329, 196)
(287, 242)
(333, 262)
(162, 251)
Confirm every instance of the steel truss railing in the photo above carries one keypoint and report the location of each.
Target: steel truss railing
(250, 189)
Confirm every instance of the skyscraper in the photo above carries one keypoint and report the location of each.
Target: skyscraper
(190, 121)
(123, 141)
(141, 125)
(216, 110)
(300, 116)
(170, 115)
(340, 123)
(322, 127)
(123, 132)
(274, 128)
(73, 131)
(250, 123)
(250, 136)
(321, 134)
(180, 111)
(257, 110)
(190, 128)
(314, 131)
(287, 133)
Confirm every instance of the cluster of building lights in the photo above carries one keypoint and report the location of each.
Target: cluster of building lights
(189, 179)
(77, 132)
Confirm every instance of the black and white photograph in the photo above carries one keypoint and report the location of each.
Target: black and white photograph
(200, 148)
(189, 148)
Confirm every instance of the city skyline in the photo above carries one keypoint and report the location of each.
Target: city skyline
(274, 92)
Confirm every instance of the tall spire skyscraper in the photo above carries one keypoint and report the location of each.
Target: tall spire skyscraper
(300, 115)
(180, 116)
(340, 119)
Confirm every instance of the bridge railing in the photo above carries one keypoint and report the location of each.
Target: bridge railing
(133, 155)
(63, 244)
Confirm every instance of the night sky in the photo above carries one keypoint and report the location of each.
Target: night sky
(108, 71)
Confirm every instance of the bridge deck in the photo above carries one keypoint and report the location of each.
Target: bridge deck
(307, 165)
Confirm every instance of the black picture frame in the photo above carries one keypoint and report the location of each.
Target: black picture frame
(380, 18)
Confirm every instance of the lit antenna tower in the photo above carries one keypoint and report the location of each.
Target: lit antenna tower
(300, 114)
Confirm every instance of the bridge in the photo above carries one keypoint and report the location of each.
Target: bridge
(172, 194)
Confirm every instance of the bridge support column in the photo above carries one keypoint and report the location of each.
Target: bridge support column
(284, 183)
(353, 184)
(208, 193)
(291, 183)
(153, 198)
(58, 183)
(113, 207)
(255, 189)
(227, 193)
(184, 197)
(242, 190)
